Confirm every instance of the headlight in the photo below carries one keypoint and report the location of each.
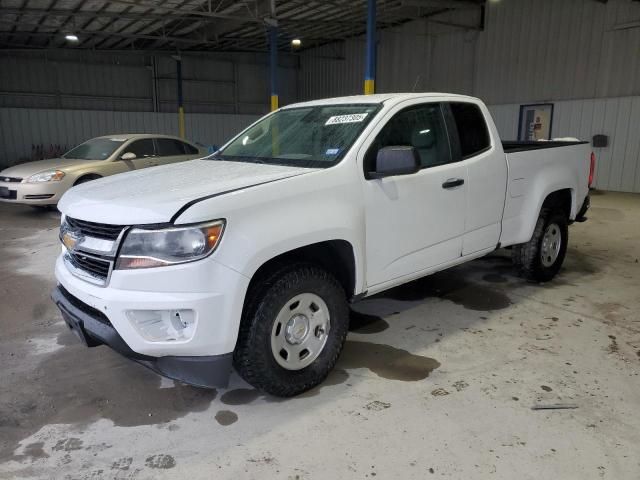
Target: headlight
(50, 176)
(158, 248)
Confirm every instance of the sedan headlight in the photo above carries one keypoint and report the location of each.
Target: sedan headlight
(48, 176)
(157, 248)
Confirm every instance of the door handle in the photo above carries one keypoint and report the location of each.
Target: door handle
(453, 182)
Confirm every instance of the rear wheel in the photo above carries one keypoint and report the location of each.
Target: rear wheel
(292, 331)
(541, 257)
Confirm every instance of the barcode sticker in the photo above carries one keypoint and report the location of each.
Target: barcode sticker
(352, 118)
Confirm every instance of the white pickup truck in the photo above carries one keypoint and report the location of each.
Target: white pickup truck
(249, 258)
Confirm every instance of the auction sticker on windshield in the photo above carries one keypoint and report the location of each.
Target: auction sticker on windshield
(352, 118)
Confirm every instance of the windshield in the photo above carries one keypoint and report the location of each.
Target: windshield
(95, 149)
(315, 137)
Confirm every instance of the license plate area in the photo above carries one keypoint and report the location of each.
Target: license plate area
(7, 194)
(78, 329)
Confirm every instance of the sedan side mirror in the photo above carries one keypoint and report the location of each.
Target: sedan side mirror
(128, 156)
(396, 160)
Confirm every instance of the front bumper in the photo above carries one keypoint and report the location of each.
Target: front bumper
(46, 193)
(93, 328)
(212, 291)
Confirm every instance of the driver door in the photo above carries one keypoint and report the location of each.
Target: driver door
(413, 222)
(145, 153)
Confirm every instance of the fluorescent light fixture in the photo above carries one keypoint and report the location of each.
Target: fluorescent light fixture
(71, 37)
(425, 131)
(296, 42)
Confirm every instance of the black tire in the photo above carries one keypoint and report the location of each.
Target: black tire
(527, 257)
(45, 208)
(253, 357)
(85, 179)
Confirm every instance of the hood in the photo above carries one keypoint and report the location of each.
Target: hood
(25, 170)
(154, 195)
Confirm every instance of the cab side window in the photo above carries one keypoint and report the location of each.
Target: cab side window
(168, 147)
(418, 126)
(142, 148)
(189, 149)
(471, 128)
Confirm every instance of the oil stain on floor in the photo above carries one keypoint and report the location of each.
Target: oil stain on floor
(451, 285)
(386, 361)
(79, 386)
(364, 323)
(226, 417)
(239, 396)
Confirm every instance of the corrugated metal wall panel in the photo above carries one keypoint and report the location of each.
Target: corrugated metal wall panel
(506, 119)
(618, 165)
(536, 50)
(83, 80)
(22, 128)
(530, 51)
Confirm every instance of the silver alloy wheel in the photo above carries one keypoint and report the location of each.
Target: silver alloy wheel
(300, 331)
(551, 243)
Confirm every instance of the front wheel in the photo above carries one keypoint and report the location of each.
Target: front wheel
(293, 330)
(541, 257)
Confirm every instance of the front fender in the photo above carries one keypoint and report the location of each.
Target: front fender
(266, 221)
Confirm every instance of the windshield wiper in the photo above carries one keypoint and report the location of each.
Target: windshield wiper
(238, 159)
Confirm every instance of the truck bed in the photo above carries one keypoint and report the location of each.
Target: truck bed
(534, 170)
(511, 146)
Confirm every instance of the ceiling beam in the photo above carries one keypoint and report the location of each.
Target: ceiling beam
(158, 16)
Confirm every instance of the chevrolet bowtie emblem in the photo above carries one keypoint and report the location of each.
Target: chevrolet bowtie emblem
(70, 240)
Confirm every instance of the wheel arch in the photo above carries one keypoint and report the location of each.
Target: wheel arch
(562, 199)
(86, 177)
(336, 256)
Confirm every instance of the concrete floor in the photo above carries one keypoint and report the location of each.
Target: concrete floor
(437, 379)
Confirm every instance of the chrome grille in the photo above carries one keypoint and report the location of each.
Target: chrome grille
(97, 230)
(94, 265)
(90, 248)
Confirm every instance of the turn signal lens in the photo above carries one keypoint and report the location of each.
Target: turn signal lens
(592, 168)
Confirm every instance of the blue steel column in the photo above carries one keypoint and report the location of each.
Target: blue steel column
(273, 66)
(370, 74)
(180, 103)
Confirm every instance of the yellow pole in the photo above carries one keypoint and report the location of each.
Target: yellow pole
(179, 95)
(370, 72)
(369, 86)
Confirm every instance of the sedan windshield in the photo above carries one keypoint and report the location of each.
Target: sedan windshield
(95, 149)
(305, 137)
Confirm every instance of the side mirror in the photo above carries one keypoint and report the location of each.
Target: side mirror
(396, 160)
(128, 156)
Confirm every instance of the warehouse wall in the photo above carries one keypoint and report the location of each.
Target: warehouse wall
(618, 165)
(582, 55)
(530, 50)
(121, 81)
(23, 128)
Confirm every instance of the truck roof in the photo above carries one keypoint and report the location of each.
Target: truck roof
(377, 98)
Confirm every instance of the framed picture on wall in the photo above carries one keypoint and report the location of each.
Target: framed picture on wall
(536, 121)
